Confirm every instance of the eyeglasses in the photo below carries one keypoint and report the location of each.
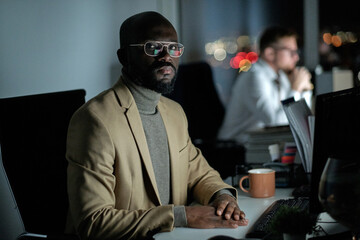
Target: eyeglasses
(292, 52)
(154, 48)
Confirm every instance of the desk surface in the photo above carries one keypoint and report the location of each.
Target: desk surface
(253, 208)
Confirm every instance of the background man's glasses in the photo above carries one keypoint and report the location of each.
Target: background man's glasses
(154, 48)
(291, 51)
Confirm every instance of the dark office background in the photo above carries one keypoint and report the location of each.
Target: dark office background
(60, 45)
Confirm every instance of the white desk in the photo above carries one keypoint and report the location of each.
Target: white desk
(253, 208)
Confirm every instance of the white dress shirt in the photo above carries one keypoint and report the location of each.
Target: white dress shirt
(255, 102)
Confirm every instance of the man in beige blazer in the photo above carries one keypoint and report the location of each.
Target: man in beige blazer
(132, 166)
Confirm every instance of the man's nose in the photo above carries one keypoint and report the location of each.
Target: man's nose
(164, 55)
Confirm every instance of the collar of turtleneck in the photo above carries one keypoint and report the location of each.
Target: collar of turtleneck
(146, 99)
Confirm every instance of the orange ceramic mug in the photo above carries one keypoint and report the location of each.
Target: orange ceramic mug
(261, 183)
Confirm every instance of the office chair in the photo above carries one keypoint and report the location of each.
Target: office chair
(33, 131)
(195, 91)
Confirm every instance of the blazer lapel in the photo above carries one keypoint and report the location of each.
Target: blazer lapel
(134, 120)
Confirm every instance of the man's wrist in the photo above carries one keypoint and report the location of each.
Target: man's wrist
(220, 192)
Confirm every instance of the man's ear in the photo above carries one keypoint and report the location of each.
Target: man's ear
(269, 54)
(122, 56)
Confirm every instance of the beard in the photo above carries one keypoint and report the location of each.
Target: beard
(149, 79)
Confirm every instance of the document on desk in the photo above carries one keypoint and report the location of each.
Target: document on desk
(301, 121)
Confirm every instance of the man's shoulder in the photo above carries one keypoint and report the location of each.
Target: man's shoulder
(258, 71)
(100, 104)
(170, 103)
(245, 78)
(101, 99)
(172, 107)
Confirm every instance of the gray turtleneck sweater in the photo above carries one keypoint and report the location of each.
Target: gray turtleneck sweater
(156, 137)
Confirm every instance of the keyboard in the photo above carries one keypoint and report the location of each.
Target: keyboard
(260, 227)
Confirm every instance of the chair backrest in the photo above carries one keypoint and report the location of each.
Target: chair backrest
(196, 92)
(11, 226)
(33, 133)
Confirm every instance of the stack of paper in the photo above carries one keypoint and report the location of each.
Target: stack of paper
(301, 121)
(257, 147)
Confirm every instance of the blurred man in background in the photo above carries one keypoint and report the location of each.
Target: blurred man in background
(255, 100)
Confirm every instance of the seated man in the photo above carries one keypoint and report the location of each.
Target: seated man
(132, 166)
(255, 100)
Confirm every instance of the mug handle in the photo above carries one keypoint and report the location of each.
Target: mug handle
(240, 183)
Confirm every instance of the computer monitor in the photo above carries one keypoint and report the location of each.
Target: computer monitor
(337, 133)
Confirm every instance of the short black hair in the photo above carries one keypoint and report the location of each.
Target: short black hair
(272, 34)
(134, 28)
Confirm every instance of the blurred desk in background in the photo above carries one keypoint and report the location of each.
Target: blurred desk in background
(257, 150)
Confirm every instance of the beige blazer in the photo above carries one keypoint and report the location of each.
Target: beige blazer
(111, 182)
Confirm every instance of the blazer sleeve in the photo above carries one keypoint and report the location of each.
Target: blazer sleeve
(91, 184)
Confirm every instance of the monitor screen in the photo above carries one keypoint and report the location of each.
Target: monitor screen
(337, 133)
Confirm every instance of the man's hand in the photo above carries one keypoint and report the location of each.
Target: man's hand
(300, 79)
(206, 217)
(227, 206)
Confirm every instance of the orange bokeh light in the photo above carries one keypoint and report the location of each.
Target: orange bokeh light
(336, 41)
(244, 65)
(327, 38)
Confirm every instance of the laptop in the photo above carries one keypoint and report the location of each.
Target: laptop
(12, 226)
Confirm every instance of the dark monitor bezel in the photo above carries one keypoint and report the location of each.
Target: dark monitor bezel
(337, 133)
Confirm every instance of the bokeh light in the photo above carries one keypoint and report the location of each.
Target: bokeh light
(252, 56)
(237, 61)
(244, 65)
(340, 38)
(242, 55)
(243, 41)
(227, 52)
(336, 41)
(209, 48)
(351, 37)
(220, 54)
(327, 38)
(231, 46)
